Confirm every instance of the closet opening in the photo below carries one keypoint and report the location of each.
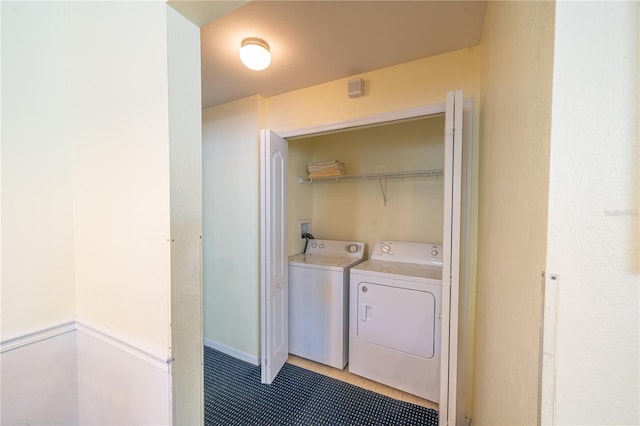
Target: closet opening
(350, 208)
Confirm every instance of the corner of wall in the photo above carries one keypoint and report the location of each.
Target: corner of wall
(515, 122)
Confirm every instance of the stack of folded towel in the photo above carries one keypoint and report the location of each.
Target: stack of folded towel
(325, 169)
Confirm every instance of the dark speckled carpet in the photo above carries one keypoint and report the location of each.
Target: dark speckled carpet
(233, 395)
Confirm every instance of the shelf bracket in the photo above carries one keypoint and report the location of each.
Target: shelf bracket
(383, 189)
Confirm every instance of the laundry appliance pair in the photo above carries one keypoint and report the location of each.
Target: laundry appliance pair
(382, 315)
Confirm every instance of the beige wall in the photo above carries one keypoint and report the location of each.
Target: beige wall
(413, 84)
(355, 210)
(515, 124)
(231, 217)
(121, 169)
(39, 383)
(37, 199)
(299, 197)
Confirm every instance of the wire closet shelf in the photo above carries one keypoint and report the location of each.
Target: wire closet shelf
(380, 177)
(376, 176)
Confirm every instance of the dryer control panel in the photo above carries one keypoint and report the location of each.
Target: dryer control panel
(408, 252)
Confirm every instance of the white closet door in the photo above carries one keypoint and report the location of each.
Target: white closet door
(451, 260)
(274, 261)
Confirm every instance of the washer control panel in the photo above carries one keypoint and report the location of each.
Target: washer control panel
(408, 252)
(355, 248)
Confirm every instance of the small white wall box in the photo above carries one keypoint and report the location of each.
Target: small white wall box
(304, 227)
(355, 87)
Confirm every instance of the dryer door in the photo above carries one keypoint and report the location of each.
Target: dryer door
(397, 318)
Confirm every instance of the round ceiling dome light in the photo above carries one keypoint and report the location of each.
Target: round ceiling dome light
(254, 54)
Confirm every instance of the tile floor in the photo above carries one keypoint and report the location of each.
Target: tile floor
(356, 380)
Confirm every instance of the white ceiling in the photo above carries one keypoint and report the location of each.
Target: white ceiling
(313, 42)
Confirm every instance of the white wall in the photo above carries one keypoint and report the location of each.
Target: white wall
(515, 120)
(593, 237)
(231, 234)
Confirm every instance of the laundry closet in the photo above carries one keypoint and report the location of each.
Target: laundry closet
(363, 207)
(377, 189)
(384, 208)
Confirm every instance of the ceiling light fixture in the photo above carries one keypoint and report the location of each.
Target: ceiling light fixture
(254, 53)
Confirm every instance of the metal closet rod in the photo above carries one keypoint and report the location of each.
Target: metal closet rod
(369, 176)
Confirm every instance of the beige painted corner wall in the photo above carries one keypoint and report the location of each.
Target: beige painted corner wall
(594, 202)
(231, 218)
(515, 125)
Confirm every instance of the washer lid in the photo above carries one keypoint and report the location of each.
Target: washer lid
(398, 269)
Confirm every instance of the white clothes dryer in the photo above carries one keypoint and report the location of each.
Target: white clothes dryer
(319, 300)
(395, 308)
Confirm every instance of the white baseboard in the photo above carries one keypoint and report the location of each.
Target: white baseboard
(33, 336)
(252, 359)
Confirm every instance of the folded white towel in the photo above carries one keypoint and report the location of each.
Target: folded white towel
(325, 166)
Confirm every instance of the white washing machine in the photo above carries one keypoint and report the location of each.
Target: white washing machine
(319, 300)
(394, 334)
